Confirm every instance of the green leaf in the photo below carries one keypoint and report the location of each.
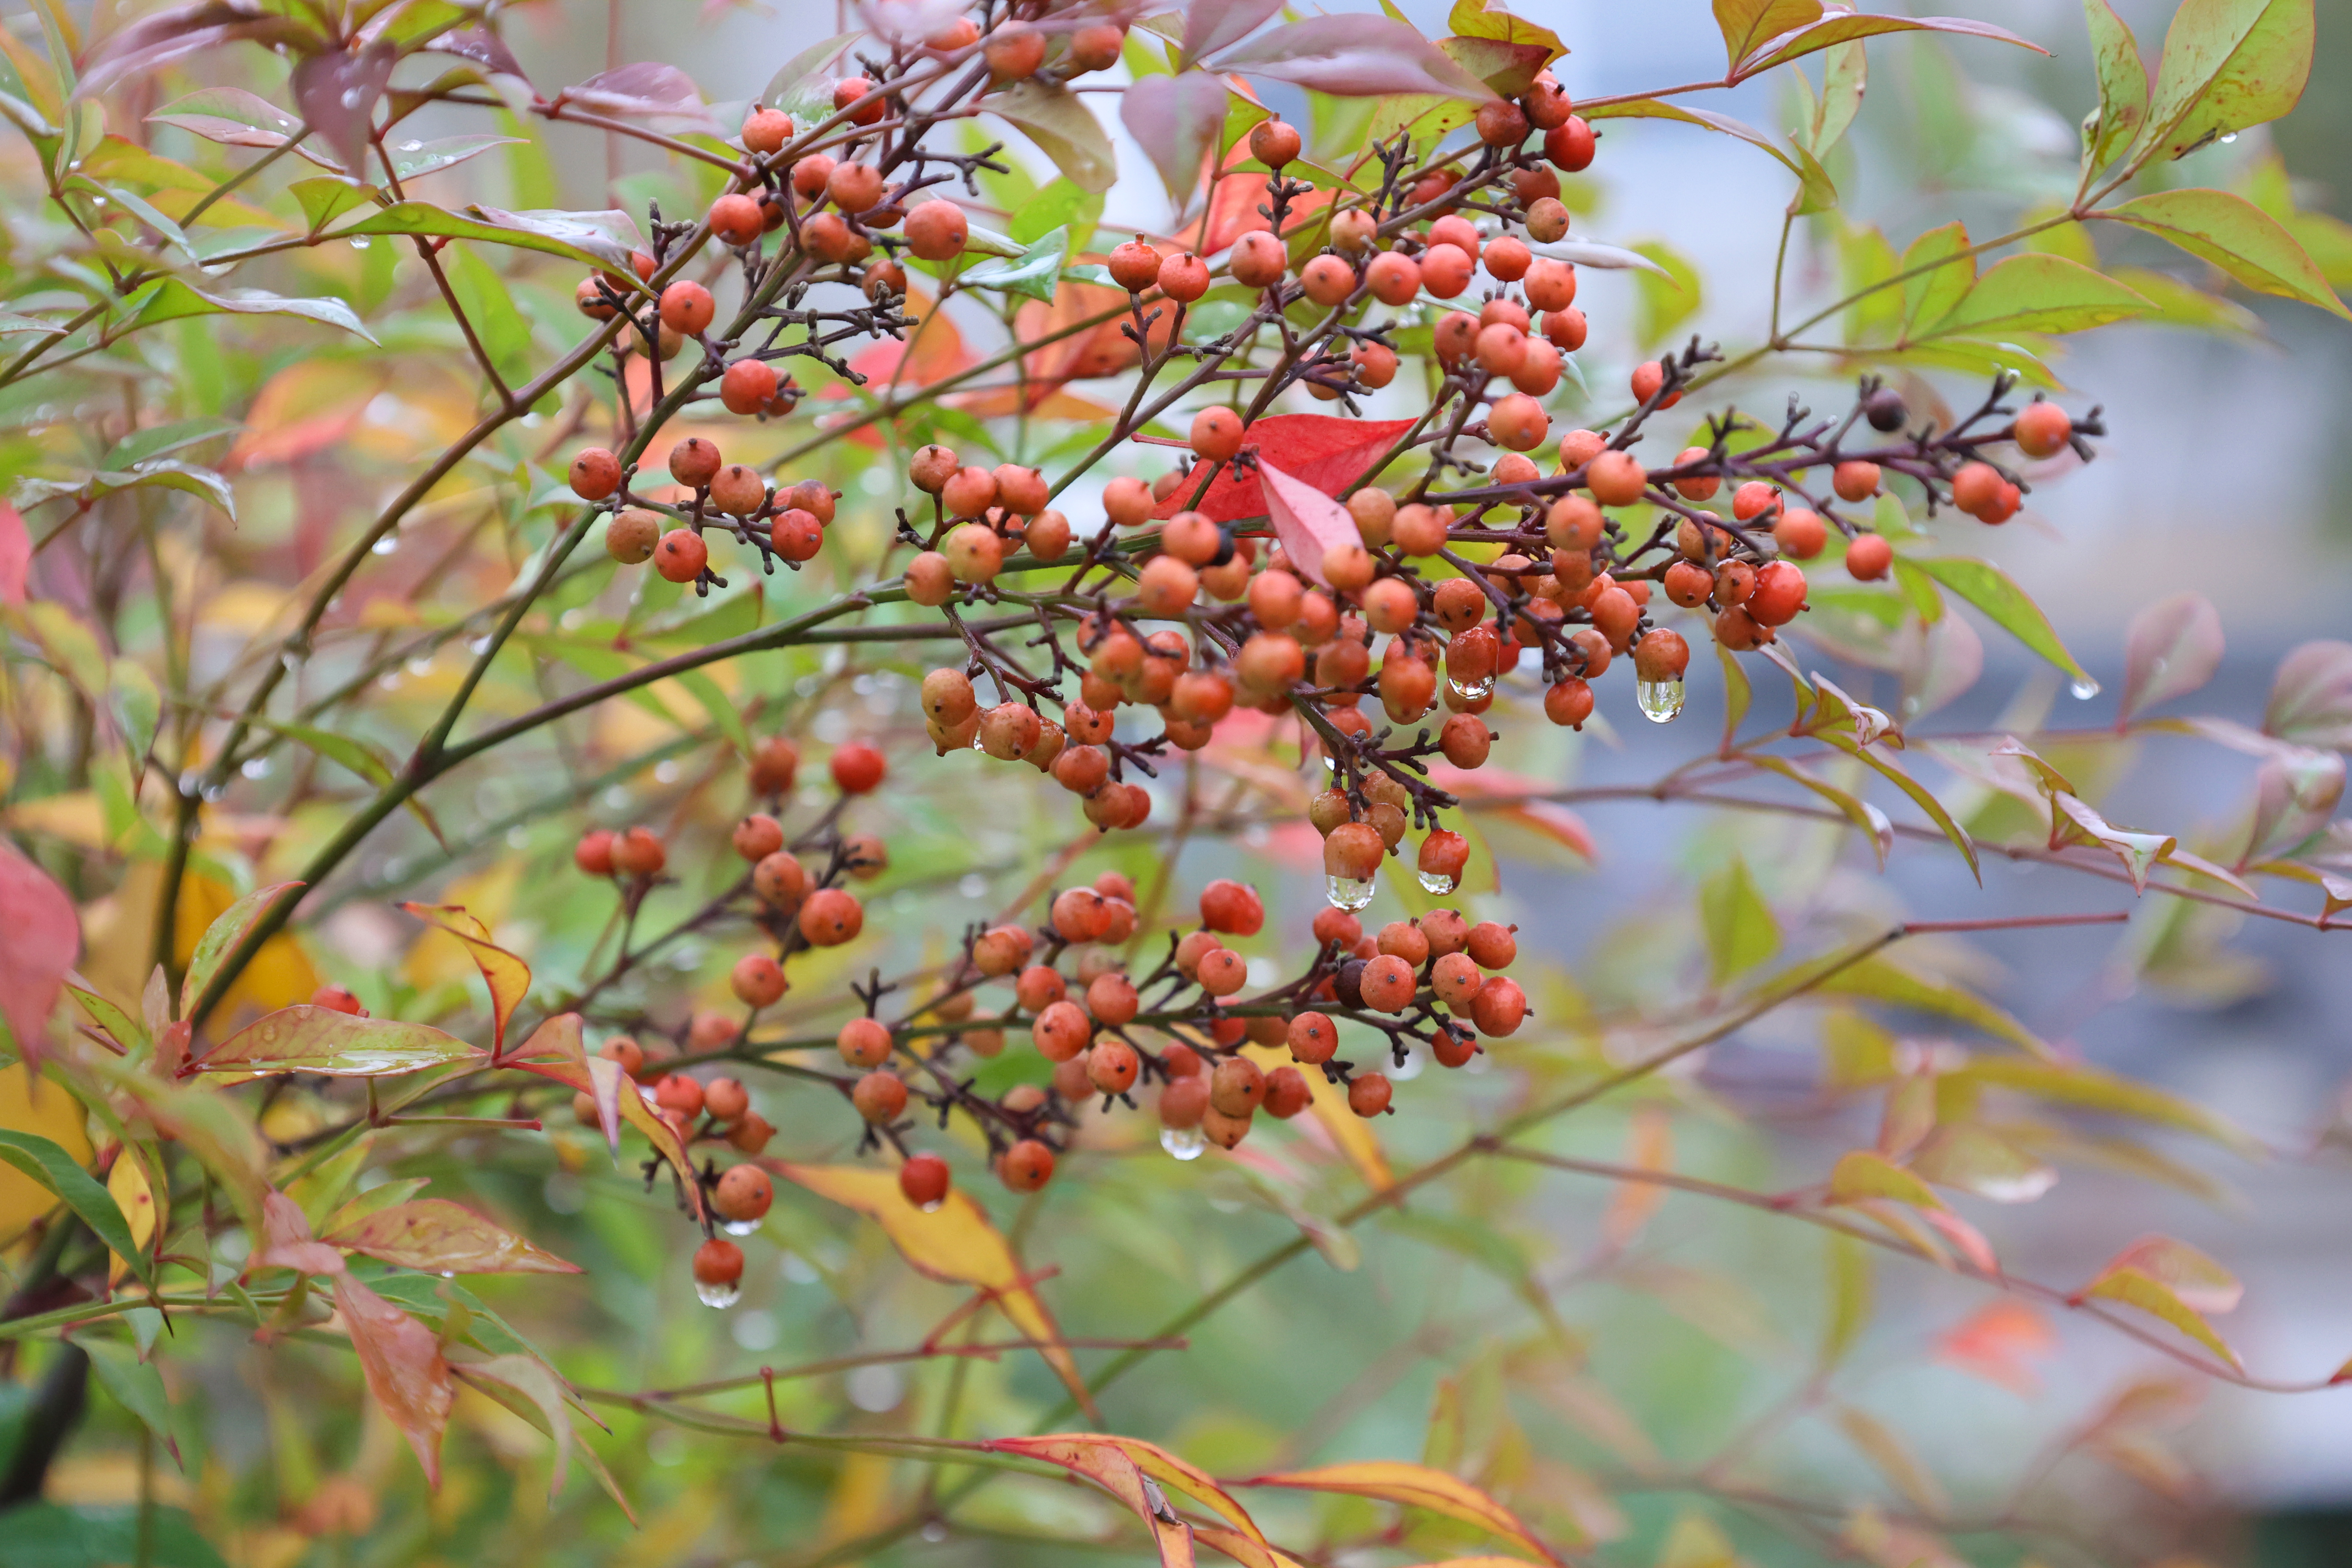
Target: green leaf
(2235, 235)
(2123, 86)
(1740, 930)
(411, 160)
(1860, 1176)
(1989, 589)
(505, 331)
(2040, 294)
(724, 715)
(161, 473)
(1737, 693)
(102, 1012)
(1486, 19)
(1936, 291)
(2227, 64)
(304, 1038)
(1844, 81)
(161, 441)
(1877, 980)
(1866, 818)
(599, 239)
(78, 1190)
(1064, 129)
(52, 1535)
(1657, 109)
(1748, 25)
(1663, 300)
(1920, 796)
(222, 937)
(1062, 204)
(173, 300)
(1035, 272)
(326, 197)
(2135, 1289)
(2188, 307)
(1849, 1299)
(2092, 1088)
(137, 1386)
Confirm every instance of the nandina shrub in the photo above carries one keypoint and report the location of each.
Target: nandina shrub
(777, 743)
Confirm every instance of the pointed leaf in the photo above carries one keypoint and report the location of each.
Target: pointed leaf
(2157, 1300)
(599, 239)
(222, 937)
(1307, 522)
(1861, 1175)
(1740, 930)
(1991, 590)
(1035, 272)
(1064, 129)
(1176, 120)
(507, 977)
(1938, 291)
(435, 1235)
(1843, 28)
(1212, 24)
(43, 941)
(1330, 455)
(542, 1392)
(2040, 293)
(1879, 980)
(79, 1191)
(1414, 1486)
(954, 1242)
(2228, 65)
(173, 300)
(1748, 25)
(647, 89)
(405, 1369)
(1354, 57)
(2172, 648)
(337, 92)
(1084, 1453)
(2311, 697)
(2235, 235)
(2189, 1274)
(1849, 1299)
(137, 1386)
(2090, 1089)
(304, 1038)
(2123, 85)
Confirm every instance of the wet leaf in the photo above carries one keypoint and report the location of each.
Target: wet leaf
(2235, 235)
(404, 1366)
(601, 239)
(2227, 64)
(173, 300)
(2123, 85)
(1414, 1486)
(954, 1242)
(1991, 590)
(306, 1038)
(507, 977)
(337, 92)
(2172, 648)
(44, 942)
(1064, 129)
(435, 1235)
(222, 937)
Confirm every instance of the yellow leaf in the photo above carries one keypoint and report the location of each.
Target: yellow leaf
(280, 975)
(508, 976)
(127, 1183)
(1414, 1486)
(1893, 1457)
(27, 1105)
(954, 1242)
(1651, 1147)
(1862, 1174)
(1107, 1462)
(77, 817)
(2152, 1295)
(1352, 1132)
(1697, 1542)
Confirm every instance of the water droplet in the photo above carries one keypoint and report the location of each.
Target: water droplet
(478, 646)
(2084, 688)
(720, 1296)
(189, 782)
(1349, 893)
(935, 1206)
(421, 665)
(1661, 700)
(1184, 1142)
(384, 546)
(1435, 881)
(214, 792)
(389, 681)
(975, 739)
(352, 97)
(1416, 1061)
(739, 1228)
(359, 242)
(1472, 691)
(2228, 137)
(412, 146)
(935, 1533)
(291, 660)
(255, 768)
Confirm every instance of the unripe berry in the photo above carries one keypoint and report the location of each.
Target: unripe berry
(595, 474)
(1369, 1093)
(937, 230)
(1257, 260)
(2043, 430)
(1547, 220)
(1021, 491)
(631, 536)
(1868, 557)
(686, 307)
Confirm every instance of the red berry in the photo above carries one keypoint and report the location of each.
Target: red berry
(924, 1180)
(1026, 1166)
(1369, 1094)
(1233, 907)
(595, 474)
(717, 1262)
(858, 768)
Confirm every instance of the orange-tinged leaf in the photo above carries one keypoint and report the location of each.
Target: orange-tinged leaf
(1324, 453)
(508, 976)
(954, 1242)
(1169, 1471)
(404, 1367)
(2197, 1280)
(305, 1038)
(1997, 1343)
(556, 1050)
(1352, 1132)
(2135, 1289)
(1651, 1147)
(1248, 1553)
(438, 1236)
(1107, 1462)
(43, 939)
(128, 1186)
(1414, 1486)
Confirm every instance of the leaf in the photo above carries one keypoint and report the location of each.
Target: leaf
(102, 1012)
(2311, 697)
(1894, 1459)
(2134, 1288)
(1064, 129)
(232, 117)
(542, 1391)
(1632, 1204)
(1413, 1486)
(1936, 291)
(2227, 64)
(1176, 121)
(2040, 293)
(1331, 456)
(1508, 71)
(1846, 27)
(54, 1535)
(1866, 818)
(1740, 930)
(1658, 109)
(1354, 57)
(1108, 1464)
(155, 41)
(646, 90)
(1748, 25)
(954, 1242)
(436, 1236)
(2123, 85)
(337, 93)
(305, 1038)
(507, 977)
(2072, 821)
(803, 86)
(1035, 272)
(58, 1171)
(413, 160)
(2235, 235)
(1487, 19)
(1979, 1162)
(1921, 796)
(1738, 693)
(1307, 522)
(1061, 205)
(1212, 24)
(404, 1366)
(599, 239)
(15, 555)
(173, 300)
(2092, 1089)
(1991, 590)
(2172, 648)
(1082, 1453)
(44, 942)
(1850, 1299)
(1881, 981)
(2196, 1278)
(1995, 1343)
(1861, 1175)
(222, 937)
(137, 1386)
(1845, 79)
(1666, 295)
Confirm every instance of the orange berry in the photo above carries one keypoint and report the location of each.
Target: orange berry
(830, 917)
(1026, 1166)
(937, 230)
(1801, 533)
(924, 1180)
(1868, 556)
(735, 219)
(1616, 479)
(686, 307)
(682, 555)
(1369, 1094)
(595, 474)
(2043, 430)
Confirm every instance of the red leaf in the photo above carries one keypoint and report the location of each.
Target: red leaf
(1323, 452)
(436, 1236)
(1233, 205)
(43, 942)
(1355, 57)
(15, 555)
(337, 94)
(404, 1366)
(1176, 121)
(1309, 524)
